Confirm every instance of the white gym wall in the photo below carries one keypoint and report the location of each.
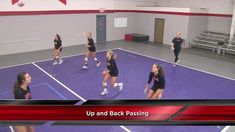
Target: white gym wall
(21, 33)
(215, 23)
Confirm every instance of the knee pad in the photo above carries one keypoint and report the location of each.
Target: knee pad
(115, 85)
(86, 59)
(105, 84)
(160, 95)
(95, 59)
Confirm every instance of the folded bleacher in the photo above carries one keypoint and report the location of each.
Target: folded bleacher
(214, 41)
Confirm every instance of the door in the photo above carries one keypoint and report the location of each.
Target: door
(101, 28)
(159, 30)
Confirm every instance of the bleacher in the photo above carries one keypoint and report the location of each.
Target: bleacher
(209, 40)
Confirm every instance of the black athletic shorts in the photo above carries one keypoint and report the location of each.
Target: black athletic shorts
(113, 74)
(60, 49)
(92, 49)
(155, 88)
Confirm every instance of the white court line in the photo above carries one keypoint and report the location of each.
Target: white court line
(12, 130)
(179, 64)
(74, 93)
(16, 65)
(59, 82)
(225, 129)
(74, 55)
(51, 59)
(126, 129)
(126, 51)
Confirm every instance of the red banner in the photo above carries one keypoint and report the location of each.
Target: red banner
(168, 114)
(139, 113)
(207, 113)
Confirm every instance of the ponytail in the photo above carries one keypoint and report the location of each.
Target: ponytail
(16, 85)
(160, 71)
(114, 56)
(19, 81)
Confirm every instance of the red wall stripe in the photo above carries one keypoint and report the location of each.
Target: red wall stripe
(9, 13)
(63, 1)
(14, 1)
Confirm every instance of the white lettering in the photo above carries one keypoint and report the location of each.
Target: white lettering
(137, 113)
(115, 113)
(90, 113)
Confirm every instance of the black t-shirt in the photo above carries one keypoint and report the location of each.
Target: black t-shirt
(57, 43)
(20, 93)
(159, 81)
(91, 42)
(112, 66)
(177, 42)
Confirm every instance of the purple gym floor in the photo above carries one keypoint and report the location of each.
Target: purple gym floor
(77, 83)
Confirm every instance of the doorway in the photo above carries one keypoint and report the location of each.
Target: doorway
(159, 30)
(101, 28)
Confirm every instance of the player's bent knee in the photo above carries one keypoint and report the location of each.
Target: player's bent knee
(105, 84)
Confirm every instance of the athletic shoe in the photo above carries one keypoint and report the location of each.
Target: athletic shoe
(105, 92)
(60, 61)
(98, 63)
(55, 63)
(85, 67)
(120, 86)
(178, 62)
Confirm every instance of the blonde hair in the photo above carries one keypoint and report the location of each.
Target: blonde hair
(178, 33)
(112, 54)
(89, 34)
